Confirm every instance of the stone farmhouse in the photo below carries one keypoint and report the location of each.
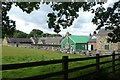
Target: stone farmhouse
(102, 44)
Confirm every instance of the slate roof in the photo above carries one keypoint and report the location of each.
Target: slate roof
(55, 40)
(35, 39)
(93, 38)
(19, 40)
(79, 39)
(103, 32)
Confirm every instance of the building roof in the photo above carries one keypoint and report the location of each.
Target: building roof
(35, 39)
(103, 32)
(19, 40)
(93, 38)
(79, 39)
(55, 40)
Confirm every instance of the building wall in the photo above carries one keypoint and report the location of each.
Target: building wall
(72, 45)
(19, 44)
(11, 44)
(5, 43)
(102, 41)
(94, 45)
(33, 40)
(81, 46)
(63, 42)
(24, 45)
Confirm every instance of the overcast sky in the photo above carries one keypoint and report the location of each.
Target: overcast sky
(37, 20)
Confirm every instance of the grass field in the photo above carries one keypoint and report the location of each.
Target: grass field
(19, 55)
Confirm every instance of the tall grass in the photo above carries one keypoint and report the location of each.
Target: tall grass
(12, 55)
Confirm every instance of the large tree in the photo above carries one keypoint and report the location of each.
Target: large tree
(8, 26)
(19, 34)
(110, 19)
(64, 13)
(35, 33)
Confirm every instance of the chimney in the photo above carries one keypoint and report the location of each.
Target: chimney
(67, 35)
(94, 32)
(90, 34)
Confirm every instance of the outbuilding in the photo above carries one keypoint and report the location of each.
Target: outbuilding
(74, 42)
(17, 42)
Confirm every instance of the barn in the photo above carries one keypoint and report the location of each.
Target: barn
(74, 42)
(17, 42)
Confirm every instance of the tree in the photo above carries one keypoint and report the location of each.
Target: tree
(110, 19)
(51, 35)
(64, 13)
(67, 12)
(19, 34)
(35, 33)
(8, 26)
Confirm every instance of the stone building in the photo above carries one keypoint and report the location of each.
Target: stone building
(17, 42)
(102, 44)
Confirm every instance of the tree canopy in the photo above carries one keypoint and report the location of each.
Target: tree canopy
(8, 26)
(19, 34)
(35, 33)
(64, 13)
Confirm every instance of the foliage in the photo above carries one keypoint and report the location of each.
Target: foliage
(64, 13)
(28, 7)
(51, 35)
(19, 34)
(8, 26)
(110, 20)
(35, 33)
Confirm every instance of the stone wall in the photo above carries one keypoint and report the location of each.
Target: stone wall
(102, 41)
(5, 43)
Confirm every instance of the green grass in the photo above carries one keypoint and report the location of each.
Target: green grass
(11, 55)
(18, 55)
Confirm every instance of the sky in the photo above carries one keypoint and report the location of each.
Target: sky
(38, 20)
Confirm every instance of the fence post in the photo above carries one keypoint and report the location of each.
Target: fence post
(113, 61)
(65, 67)
(97, 62)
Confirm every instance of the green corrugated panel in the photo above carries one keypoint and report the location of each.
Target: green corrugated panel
(63, 42)
(79, 39)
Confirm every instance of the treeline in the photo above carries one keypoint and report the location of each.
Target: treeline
(33, 33)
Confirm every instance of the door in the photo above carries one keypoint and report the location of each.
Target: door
(91, 47)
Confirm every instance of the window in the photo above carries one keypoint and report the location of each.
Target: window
(107, 47)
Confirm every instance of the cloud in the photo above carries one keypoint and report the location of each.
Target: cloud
(84, 18)
(37, 20)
